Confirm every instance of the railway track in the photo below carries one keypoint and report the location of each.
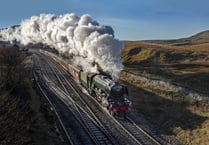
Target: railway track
(88, 111)
(138, 134)
(90, 122)
(141, 136)
(68, 86)
(95, 129)
(72, 130)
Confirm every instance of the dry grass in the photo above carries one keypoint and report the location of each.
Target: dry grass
(186, 65)
(138, 52)
(198, 135)
(183, 64)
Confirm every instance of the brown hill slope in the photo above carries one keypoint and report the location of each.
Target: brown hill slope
(182, 64)
(157, 54)
(202, 37)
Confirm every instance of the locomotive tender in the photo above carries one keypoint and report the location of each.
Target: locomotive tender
(107, 92)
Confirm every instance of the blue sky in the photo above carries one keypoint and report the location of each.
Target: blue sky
(130, 19)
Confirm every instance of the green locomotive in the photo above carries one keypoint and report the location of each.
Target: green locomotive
(109, 93)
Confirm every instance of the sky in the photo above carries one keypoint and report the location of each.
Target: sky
(130, 19)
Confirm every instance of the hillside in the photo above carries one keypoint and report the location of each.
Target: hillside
(202, 37)
(152, 67)
(182, 64)
(25, 116)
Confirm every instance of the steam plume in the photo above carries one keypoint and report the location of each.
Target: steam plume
(72, 35)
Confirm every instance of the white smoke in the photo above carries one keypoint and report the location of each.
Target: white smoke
(72, 35)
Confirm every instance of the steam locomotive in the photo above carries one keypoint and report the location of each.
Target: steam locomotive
(107, 92)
